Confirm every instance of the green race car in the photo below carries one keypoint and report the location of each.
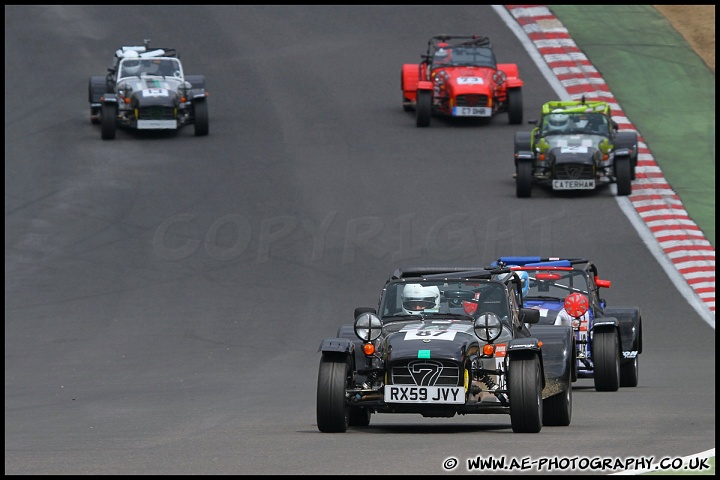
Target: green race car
(575, 146)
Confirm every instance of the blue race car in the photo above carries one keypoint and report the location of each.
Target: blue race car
(567, 291)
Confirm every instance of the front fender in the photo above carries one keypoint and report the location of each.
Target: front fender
(523, 347)
(605, 323)
(109, 98)
(197, 93)
(425, 86)
(339, 345)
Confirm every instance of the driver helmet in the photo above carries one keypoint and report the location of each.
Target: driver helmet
(576, 304)
(443, 53)
(558, 121)
(416, 298)
(131, 64)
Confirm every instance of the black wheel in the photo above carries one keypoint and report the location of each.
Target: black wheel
(202, 118)
(515, 106)
(359, 417)
(557, 410)
(574, 367)
(629, 372)
(332, 412)
(523, 179)
(423, 109)
(606, 361)
(94, 115)
(525, 391)
(108, 119)
(623, 174)
(406, 104)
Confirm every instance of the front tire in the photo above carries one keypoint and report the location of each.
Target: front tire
(525, 391)
(424, 108)
(606, 361)
(515, 106)
(331, 411)
(623, 175)
(202, 118)
(523, 179)
(108, 121)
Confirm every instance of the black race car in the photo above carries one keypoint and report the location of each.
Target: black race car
(447, 341)
(575, 146)
(567, 290)
(147, 89)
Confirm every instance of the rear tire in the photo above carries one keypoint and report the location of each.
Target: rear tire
(629, 372)
(515, 106)
(523, 179)
(623, 175)
(525, 391)
(406, 104)
(108, 121)
(606, 361)
(557, 410)
(331, 411)
(202, 118)
(94, 115)
(424, 108)
(359, 417)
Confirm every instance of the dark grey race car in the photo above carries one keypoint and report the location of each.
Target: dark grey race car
(447, 341)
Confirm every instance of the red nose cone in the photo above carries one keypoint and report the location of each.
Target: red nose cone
(576, 304)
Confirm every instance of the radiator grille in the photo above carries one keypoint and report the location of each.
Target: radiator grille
(471, 100)
(156, 112)
(574, 171)
(426, 372)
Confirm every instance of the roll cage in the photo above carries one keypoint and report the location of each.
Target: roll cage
(464, 50)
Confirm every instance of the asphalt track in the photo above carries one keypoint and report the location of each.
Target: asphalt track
(165, 296)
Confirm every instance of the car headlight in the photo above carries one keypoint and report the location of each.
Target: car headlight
(368, 327)
(487, 326)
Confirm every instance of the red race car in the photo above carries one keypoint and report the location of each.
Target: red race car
(460, 77)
